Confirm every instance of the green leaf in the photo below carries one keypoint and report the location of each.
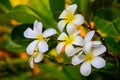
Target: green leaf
(113, 46)
(6, 3)
(57, 8)
(17, 35)
(70, 70)
(54, 71)
(108, 21)
(23, 14)
(42, 8)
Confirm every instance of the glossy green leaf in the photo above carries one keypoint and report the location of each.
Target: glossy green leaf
(6, 3)
(57, 8)
(73, 72)
(17, 35)
(107, 20)
(112, 45)
(42, 8)
(55, 72)
(23, 14)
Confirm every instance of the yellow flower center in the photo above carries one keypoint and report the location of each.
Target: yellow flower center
(40, 37)
(69, 40)
(89, 57)
(69, 17)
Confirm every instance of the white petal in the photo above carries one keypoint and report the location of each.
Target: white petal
(31, 47)
(69, 50)
(98, 62)
(37, 27)
(71, 8)
(95, 43)
(100, 49)
(31, 62)
(85, 69)
(62, 15)
(61, 25)
(49, 32)
(87, 47)
(70, 28)
(78, 59)
(89, 36)
(78, 41)
(79, 19)
(42, 46)
(38, 58)
(62, 36)
(29, 33)
(59, 47)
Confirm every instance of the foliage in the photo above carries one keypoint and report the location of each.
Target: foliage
(105, 14)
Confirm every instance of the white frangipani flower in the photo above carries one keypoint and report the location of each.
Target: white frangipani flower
(69, 17)
(67, 42)
(39, 37)
(90, 57)
(88, 43)
(35, 58)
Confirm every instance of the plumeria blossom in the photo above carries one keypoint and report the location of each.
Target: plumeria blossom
(90, 57)
(39, 43)
(88, 43)
(67, 42)
(35, 58)
(39, 37)
(69, 17)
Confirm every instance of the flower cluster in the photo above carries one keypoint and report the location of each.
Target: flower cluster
(81, 49)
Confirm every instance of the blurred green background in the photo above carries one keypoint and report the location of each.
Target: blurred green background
(17, 15)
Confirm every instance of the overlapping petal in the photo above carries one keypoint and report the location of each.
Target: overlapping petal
(49, 32)
(69, 50)
(85, 69)
(70, 28)
(59, 47)
(31, 47)
(100, 49)
(71, 8)
(29, 33)
(78, 19)
(37, 27)
(61, 25)
(89, 36)
(78, 41)
(38, 58)
(42, 46)
(63, 36)
(78, 59)
(87, 47)
(31, 62)
(98, 62)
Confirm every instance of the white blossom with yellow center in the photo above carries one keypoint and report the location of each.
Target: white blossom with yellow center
(68, 17)
(91, 57)
(39, 37)
(67, 42)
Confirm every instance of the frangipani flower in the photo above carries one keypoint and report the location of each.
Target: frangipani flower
(88, 43)
(67, 42)
(36, 57)
(68, 17)
(90, 57)
(39, 37)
